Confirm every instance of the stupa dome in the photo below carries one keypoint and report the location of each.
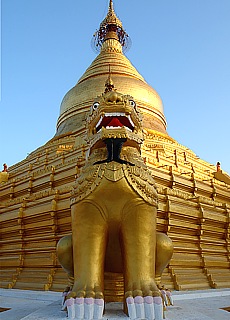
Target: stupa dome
(76, 103)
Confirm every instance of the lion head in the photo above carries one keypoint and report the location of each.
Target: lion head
(114, 116)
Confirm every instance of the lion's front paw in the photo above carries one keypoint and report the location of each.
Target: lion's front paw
(148, 307)
(85, 308)
(144, 301)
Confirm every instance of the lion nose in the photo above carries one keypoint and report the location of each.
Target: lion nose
(114, 98)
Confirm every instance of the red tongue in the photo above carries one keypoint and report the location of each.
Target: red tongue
(115, 123)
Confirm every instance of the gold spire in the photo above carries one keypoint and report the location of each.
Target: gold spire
(110, 41)
(111, 17)
(111, 5)
(111, 28)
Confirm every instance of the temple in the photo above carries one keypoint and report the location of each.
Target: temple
(194, 195)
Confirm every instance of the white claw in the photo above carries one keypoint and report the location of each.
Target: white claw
(98, 308)
(79, 308)
(149, 308)
(89, 308)
(63, 308)
(163, 292)
(64, 295)
(139, 304)
(131, 308)
(158, 308)
(169, 295)
(70, 308)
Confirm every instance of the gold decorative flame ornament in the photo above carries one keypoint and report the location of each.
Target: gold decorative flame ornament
(113, 208)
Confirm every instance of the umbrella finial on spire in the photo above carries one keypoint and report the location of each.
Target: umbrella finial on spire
(111, 28)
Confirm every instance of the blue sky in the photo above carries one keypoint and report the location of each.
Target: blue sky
(181, 48)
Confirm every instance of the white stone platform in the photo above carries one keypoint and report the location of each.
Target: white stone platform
(40, 305)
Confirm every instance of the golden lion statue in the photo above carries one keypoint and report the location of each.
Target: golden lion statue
(113, 208)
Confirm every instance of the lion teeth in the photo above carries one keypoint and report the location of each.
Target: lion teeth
(99, 122)
(115, 114)
(130, 120)
(111, 127)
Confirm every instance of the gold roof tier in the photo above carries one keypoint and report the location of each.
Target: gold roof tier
(127, 80)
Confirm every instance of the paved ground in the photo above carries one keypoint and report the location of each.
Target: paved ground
(37, 305)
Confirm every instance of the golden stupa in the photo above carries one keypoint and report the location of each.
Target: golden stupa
(194, 196)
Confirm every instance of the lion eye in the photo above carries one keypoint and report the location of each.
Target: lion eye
(95, 105)
(132, 103)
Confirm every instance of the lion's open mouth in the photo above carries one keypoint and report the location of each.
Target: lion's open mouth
(115, 120)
